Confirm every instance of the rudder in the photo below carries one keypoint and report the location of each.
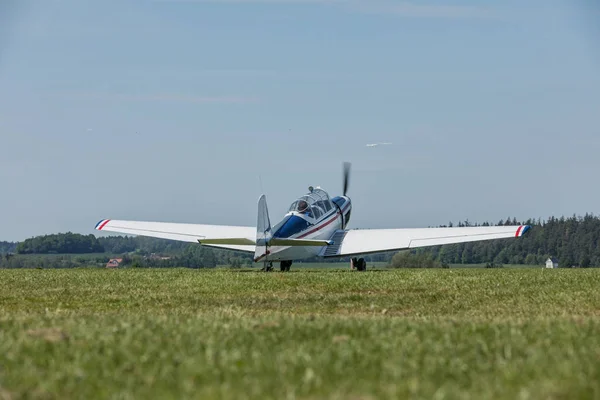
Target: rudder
(263, 224)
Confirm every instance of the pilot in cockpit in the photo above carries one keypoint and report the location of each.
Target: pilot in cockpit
(303, 208)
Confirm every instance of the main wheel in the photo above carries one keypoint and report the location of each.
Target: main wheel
(285, 266)
(362, 264)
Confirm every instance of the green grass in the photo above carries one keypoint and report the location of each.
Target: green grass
(308, 334)
(483, 265)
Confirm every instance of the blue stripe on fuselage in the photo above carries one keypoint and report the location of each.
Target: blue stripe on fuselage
(293, 225)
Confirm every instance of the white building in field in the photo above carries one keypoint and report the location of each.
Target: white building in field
(551, 263)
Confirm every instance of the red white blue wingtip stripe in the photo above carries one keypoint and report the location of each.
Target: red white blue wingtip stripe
(521, 230)
(101, 224)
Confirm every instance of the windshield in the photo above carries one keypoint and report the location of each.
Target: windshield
(314, 204)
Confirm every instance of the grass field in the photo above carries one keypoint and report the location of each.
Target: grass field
(307, 334)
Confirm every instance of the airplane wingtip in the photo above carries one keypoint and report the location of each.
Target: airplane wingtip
(522, 230)
(101, 224)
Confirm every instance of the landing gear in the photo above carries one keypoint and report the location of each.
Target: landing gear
(268, 266)
(285, 265)
(359, 265)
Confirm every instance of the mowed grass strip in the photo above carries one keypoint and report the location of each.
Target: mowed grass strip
(481, 293)
(179, 333)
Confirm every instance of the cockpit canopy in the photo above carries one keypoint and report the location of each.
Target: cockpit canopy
(314, 204)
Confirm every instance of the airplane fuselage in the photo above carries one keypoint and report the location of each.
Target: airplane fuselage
(298, 225)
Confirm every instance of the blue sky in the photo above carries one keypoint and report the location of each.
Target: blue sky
(176, 110)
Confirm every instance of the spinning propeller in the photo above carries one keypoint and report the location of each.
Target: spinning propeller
(346, 176)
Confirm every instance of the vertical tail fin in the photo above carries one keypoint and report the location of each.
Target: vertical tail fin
(263, 225)
(263, 228)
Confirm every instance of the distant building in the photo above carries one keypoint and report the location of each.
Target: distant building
(551, 263)
(114, 262)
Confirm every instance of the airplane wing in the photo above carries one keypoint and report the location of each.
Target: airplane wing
(364, 241)
(240, 238)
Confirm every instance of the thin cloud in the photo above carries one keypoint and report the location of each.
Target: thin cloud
(187, 99)
(257, 1)
(408, 9)
(167, 97)
(386, 7)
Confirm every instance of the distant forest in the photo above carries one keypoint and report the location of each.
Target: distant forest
(67, 250)
(7, 247)
(61, 243)
(573, 241)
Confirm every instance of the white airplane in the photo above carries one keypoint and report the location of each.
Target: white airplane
(377, 144)
(315, 225)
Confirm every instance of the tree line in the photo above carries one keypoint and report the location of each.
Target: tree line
(573, 241)
(67, 250)
(61, 243)
(194, 256)
(7, 247)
